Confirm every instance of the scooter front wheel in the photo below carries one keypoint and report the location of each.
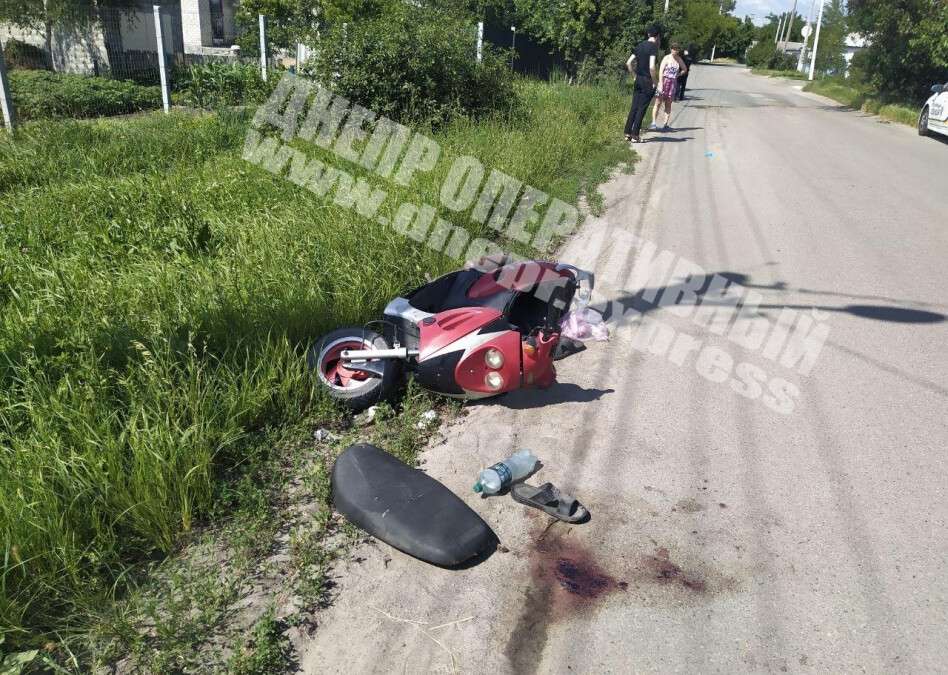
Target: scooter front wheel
(357, 389)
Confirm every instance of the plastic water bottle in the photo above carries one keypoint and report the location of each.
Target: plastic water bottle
(495, 478)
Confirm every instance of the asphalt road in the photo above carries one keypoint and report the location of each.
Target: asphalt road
(725, 536)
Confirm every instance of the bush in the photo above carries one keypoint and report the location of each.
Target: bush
(608, 67)
(19, 54)
(40, 94)
(413, 64)
(766, 55)
(213, 85)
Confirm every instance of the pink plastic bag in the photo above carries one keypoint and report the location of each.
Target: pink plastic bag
(584, 324)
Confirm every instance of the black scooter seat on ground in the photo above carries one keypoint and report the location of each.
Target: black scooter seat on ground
(406, 508)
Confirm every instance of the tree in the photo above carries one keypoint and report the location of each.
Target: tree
(908, 45)
(292, 21)
(704, 25)
(738, 38)
(36, 14)
(575, 28)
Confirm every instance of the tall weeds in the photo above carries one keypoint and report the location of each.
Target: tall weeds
(156, 294)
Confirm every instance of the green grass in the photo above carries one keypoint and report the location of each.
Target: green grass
(264, 652)
(157, 293)
(861, 98)
(41, 94)
(186, 615)
(791, 74)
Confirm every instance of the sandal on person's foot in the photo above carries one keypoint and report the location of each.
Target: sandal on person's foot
(550, 500)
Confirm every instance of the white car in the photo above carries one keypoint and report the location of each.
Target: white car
(934, 115)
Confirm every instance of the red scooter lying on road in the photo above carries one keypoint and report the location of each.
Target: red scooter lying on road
(470, 334)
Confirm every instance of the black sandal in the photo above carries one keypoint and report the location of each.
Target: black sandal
(550, 500)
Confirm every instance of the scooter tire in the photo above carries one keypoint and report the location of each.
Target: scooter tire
(355, 392)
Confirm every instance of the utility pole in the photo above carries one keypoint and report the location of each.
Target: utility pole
(666, 6)
(714, 47)
(807, 31)
(793, 17)
(816, 39)
(809, 15)
(779, 30)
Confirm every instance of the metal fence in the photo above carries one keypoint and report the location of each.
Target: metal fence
(139, 57)
(107, 42)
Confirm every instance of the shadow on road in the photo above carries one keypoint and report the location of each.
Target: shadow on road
(559, 392)
(932, 136)
(667, 139)
(649, 299)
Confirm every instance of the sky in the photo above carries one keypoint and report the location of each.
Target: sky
(759, 9)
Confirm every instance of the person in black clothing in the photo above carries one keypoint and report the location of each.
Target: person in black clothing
(683, 78)
(642, 64)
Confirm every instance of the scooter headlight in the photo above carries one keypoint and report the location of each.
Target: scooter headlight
(493, 358)
(494, 381)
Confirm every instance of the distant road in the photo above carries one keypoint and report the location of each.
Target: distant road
(725, 537)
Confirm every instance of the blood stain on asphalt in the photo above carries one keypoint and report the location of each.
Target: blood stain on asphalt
(580, 580)
(664, 571)
(567, 566)
(565, 580)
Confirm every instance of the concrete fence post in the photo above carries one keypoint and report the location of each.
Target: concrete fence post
(165, 100)
(480, 40)
(513, 45)
(263, 46)
(6, 96)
